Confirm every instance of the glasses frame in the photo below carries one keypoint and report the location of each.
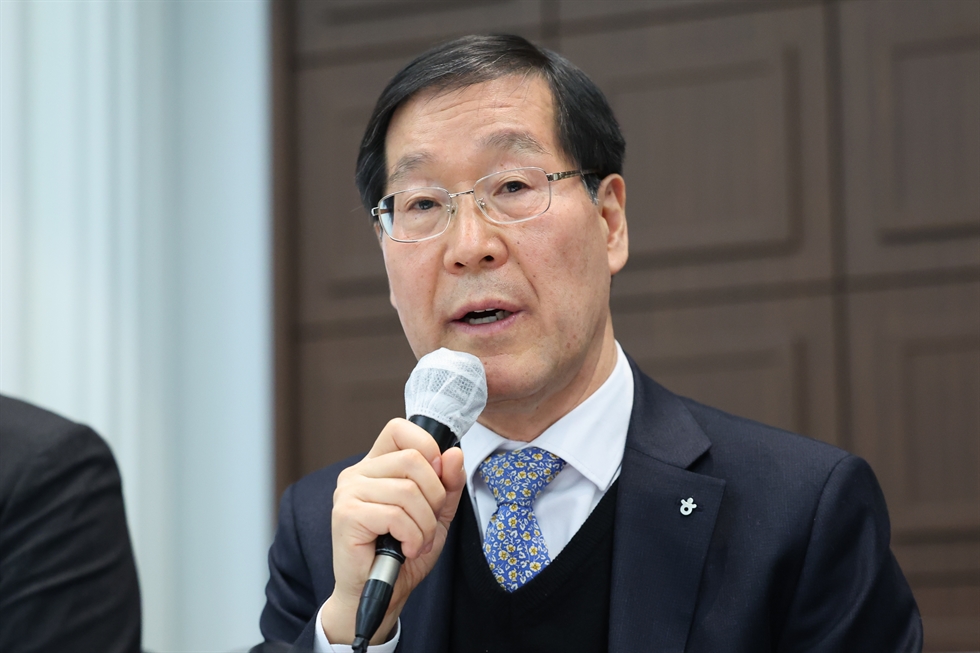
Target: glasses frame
(378, 210)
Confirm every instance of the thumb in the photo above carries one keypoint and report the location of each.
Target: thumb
(454, 480)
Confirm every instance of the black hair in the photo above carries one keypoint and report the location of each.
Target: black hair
(586, 128)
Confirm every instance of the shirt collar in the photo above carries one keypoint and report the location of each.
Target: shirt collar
(590, 437)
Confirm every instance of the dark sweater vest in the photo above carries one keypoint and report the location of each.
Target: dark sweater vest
(564, 608)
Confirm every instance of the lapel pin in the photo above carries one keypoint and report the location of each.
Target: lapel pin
(688, 506)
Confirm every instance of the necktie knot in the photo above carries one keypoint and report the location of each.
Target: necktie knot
(517, 477)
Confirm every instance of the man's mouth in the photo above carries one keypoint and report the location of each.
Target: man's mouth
(486, 316)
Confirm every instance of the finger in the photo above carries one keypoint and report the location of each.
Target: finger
(400, 434)
(454, 480)
(403, 494)
(362, 523)
(453, 475)
(408, 464)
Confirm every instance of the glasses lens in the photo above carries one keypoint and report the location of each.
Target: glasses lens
(415, 214)
(515, 195)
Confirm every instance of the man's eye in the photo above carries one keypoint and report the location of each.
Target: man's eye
(513, 186)
(422, 205)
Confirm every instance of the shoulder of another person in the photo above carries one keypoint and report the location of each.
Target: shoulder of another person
(31, 427)
(31, 436)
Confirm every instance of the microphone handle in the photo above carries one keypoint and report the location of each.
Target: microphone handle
(388, 557)
(442, 434)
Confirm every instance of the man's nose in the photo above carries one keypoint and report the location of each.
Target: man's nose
(474, 242)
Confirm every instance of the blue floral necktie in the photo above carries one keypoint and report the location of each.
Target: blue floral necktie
(513, 544)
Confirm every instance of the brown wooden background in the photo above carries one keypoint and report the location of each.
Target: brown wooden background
(804, 205)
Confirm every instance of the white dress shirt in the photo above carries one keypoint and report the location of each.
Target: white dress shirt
(590, 438)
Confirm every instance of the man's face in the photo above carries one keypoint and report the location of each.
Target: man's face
(549, 275)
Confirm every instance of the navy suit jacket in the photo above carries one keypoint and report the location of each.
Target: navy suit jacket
(787, 550)
(67, 575)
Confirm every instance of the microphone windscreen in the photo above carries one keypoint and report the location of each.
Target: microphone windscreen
(449, 387)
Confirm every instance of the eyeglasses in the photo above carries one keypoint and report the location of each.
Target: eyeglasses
(506, 197)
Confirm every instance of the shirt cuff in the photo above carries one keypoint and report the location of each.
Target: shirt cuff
(322, 645)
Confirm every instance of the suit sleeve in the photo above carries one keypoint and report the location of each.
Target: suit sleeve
(67, 575)
(851, 594)
(291, 606)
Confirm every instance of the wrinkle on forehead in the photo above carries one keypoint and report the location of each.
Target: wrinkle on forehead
(513, 141)
(406, 165)
(510, 92)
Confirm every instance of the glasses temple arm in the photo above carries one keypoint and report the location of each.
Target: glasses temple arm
(558, 176)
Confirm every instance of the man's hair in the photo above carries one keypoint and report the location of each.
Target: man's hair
(585, 126)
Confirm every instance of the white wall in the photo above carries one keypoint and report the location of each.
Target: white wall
(135, 279)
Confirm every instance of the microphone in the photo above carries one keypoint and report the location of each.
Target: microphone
(444, 395)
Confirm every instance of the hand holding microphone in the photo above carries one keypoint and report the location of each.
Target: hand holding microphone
(409, 484)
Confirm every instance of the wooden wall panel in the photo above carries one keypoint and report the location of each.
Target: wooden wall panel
(341, 270)
(911, 94)
(916, 403)
(576, 11)
(725, 121)
(351, 387)
(326, 26)
(769, 361)
(949, 615)
(916, 385)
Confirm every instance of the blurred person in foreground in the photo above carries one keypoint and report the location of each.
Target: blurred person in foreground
(653, 522)
(67, 576)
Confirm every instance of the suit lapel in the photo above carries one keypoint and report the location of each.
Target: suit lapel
(658, 550)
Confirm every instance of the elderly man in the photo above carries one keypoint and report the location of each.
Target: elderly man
(653, 523)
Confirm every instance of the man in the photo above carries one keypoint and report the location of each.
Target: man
(654, 523)
(67, 575)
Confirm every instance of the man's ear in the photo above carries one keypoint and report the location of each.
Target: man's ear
(612, 209)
